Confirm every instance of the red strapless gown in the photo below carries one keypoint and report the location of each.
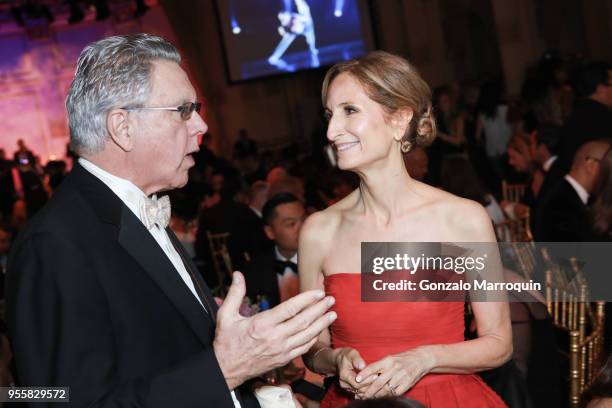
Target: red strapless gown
(377, 329)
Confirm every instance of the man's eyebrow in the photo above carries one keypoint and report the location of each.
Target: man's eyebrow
(291, 218)
(187, 99)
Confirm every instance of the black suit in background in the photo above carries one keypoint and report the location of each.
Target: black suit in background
(552, 178)
(34, 193)
(261, 277)
(564, 217)
(33, 190)
(590, 120)
(245, 229)
(94, 303)
(7, 190)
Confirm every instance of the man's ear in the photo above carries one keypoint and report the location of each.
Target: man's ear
(401, 121)
(118, 127)
(593, 167)
(269, 233)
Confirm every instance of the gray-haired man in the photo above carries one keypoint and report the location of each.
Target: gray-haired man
(101, 297)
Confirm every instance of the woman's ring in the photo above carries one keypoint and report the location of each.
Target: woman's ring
(392, 389)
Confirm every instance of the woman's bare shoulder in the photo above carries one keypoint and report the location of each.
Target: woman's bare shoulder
(468, 220)
(321, 227)
(464, 219)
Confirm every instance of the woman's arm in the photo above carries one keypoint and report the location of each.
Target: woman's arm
(316, 237)
(311, 254)
(493, 347)
(457, 137)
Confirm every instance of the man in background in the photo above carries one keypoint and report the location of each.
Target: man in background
(273, 274)
(564, 212)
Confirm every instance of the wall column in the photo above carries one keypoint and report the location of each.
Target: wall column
(519, 40)
(425, 40)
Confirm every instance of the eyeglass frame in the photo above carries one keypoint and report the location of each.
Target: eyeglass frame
(185, 109)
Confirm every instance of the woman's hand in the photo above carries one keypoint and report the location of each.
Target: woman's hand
(348, 363)
(396, 373)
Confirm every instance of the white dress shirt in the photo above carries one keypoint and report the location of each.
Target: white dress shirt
(131, 197)
(548, 163)
(581, 191)
(256, 211)
(288, 283)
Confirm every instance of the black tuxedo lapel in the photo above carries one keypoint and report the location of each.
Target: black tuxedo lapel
(140, 244)
(261, 277)
(208, 300)
(246, 400)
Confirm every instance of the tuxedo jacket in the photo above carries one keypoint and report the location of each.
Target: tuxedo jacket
(244, 226)
(93, 303)
(564, 217)
(7, 190)
(261, 278)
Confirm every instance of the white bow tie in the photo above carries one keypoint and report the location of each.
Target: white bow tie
(155, 211)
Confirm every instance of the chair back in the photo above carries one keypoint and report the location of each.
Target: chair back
(586, 356)
(567, 301)
(221, 260)
(525, 255)
(514, 230)
(513, 192)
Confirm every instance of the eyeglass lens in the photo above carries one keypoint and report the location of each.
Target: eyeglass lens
(188, 108)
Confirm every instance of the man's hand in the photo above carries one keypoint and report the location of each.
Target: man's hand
(248, 346)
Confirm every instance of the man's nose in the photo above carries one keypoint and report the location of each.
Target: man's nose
(197, 125)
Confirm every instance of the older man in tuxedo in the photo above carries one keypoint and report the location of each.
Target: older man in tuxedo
(101, 297)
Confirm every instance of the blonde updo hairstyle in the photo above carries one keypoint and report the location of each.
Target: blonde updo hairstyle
(394, 84)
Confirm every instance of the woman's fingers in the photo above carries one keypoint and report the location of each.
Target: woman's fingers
(372, 369)
(378, 386)
(356, 361)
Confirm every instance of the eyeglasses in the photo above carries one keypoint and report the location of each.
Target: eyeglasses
(185, 109)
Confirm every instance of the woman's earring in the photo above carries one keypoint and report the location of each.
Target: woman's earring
(406, 145)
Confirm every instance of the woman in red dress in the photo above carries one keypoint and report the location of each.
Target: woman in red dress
(378, 107)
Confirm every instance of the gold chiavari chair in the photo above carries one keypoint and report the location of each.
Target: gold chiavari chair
(513, 192)
(586, 356)
(514, 230)
(221, 260)
(566, 295)
(568, 304)
(525, 254)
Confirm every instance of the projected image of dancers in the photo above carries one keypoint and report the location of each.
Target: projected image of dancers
(292, 26)
(267, 37)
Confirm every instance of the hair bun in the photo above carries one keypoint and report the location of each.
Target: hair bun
(425, 129)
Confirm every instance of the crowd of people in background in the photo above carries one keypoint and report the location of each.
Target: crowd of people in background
(555, 138)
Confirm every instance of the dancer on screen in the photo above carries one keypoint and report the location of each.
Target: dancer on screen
(292, 25)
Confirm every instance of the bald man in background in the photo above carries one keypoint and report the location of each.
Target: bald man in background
(565, 215)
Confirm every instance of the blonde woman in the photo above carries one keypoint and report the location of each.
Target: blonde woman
(378, 107)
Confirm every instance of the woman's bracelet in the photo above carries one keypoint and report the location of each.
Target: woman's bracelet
(314, 356)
